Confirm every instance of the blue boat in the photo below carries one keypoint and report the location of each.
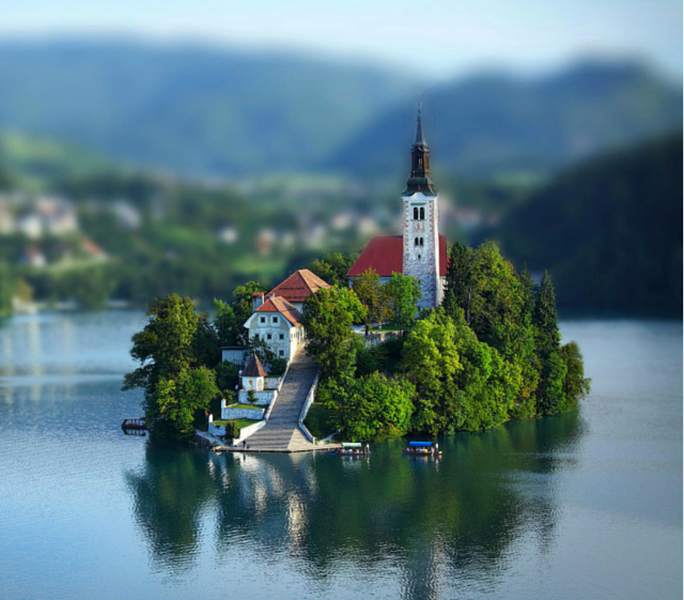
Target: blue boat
(423, 449)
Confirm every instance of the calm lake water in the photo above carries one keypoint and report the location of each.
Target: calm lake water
(584, 506)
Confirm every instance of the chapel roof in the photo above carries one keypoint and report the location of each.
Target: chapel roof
(254, 368)
(385, 255)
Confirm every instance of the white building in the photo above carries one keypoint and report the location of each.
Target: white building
(277, 314)
(277, 322)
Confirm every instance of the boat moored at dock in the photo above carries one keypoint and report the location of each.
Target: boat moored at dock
(352, 449)
(428, 449)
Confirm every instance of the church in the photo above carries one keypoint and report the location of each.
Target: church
(420, 251)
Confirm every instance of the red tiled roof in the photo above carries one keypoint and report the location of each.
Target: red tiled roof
(298, 286)
(385, 255)
(254, 368)
(282, 306)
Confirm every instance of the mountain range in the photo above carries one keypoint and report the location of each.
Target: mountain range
(228, 113)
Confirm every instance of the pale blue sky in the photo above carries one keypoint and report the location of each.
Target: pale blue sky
(443, 38)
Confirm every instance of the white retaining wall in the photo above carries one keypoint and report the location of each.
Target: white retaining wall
(242, 413)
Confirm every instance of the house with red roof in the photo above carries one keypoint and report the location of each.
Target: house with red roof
(277, 315)
(420, 251)
(295, 289)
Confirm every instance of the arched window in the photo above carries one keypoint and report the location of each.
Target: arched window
(416, 242)
(415, 213)
(421, 241)
(422, 214)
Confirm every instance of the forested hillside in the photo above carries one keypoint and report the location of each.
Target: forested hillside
(610, 231)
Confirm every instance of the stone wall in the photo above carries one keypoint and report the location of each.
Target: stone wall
(242, 413)
(378, 337)
(261, 398)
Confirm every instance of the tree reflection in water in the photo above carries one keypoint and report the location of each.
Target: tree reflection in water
(421, 524)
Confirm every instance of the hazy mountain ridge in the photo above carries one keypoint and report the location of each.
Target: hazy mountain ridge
(189, 109)
(493, 123)
(204, 111)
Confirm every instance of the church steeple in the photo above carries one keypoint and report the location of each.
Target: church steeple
(420, 180)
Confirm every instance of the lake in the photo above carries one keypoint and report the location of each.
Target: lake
(583, 506)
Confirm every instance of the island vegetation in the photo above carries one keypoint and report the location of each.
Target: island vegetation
(489, 354)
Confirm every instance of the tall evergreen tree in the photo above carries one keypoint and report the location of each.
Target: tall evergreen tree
(545, 318)
(460, 281)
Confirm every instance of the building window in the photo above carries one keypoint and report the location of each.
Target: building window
(421, 241)
(262, 319)
(282, 336)
(415, 242)
(422, 214)
(415, 213)
(256, 336)
(281, 353)
(269, 336)
(274, 319)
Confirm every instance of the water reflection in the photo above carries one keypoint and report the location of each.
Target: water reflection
(438, 523)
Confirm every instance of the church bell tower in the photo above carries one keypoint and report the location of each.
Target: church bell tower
(421, 223)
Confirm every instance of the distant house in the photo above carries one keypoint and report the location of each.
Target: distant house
(33, 257)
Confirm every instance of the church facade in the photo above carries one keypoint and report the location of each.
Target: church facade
(420, 252)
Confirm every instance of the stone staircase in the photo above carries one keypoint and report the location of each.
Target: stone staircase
(282, 432)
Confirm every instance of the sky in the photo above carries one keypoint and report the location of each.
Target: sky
(437, 37)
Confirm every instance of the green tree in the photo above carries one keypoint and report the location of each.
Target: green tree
(371, 294)
(174, 389)
(243, 307)
(7, 284)
(551, 399)
(227, 376)
(328, 318)
(460, 281)
(402, 293)
(430, 361)
(576, 386)
(228, 329)
(545, 318)
(175, 402)
(333, 267)
(375, 408)
(205, 346)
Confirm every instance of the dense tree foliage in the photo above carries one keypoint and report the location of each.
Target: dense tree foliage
(371, 408)
(328, 318)
(175, 387)
(608, 230)
(371, 293)
(402, 293)
(333, 267)
(492, 353)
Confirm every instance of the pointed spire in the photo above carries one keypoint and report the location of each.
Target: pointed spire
(420, 137)
(420, 180)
